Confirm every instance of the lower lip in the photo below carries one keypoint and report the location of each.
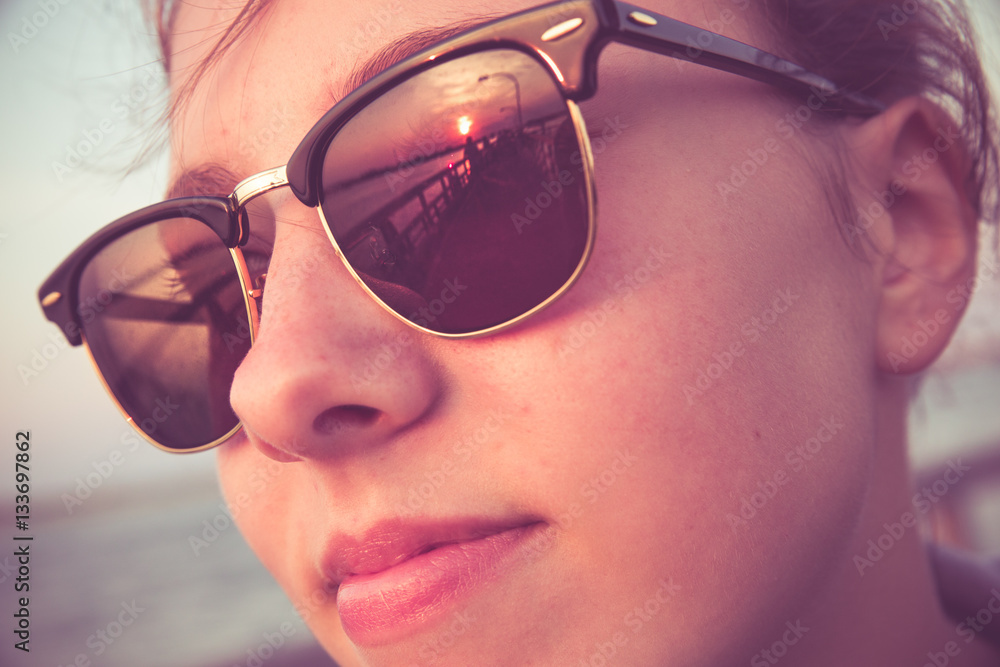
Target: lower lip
(382, 607)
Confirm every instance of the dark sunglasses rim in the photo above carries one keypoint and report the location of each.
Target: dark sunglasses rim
(58, 294)
(566, 37)
(252, 323)
(571, 56)
(583, 142)
(603, 21)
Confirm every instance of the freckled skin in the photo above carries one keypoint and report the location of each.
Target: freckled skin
(608, 435)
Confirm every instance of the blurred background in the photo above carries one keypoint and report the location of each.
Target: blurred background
(116, 524)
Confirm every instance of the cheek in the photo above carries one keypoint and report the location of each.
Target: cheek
(722, 344)
(747, 492)
(256, 491)
(264, 498)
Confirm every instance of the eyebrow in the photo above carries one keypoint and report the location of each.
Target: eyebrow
(206, 180)
(406, 46)
(219, 180)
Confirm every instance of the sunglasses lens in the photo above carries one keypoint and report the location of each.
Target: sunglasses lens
(164, 316)
(458, 196)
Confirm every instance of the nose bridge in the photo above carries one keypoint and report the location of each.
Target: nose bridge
(328, 374)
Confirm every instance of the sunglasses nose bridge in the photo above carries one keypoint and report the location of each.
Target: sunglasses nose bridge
(249, 189)
(259, 184)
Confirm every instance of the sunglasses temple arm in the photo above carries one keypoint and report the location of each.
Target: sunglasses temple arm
(653, 32)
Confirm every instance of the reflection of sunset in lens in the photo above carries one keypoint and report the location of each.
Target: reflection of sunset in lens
(464, 125)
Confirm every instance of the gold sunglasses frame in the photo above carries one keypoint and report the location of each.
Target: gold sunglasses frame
(565, 37)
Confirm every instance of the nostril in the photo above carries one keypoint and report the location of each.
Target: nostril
(344, 417)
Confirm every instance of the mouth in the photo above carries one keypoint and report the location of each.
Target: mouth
(400, 578)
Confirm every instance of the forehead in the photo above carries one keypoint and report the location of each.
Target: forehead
(297, 58)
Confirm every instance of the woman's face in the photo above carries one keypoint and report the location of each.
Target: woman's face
(678, 445)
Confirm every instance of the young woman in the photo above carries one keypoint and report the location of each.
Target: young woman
(581, 334)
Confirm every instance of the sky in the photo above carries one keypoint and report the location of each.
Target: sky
(80, 83)
(85, 79)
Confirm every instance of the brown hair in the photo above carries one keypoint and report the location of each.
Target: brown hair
(895, 49)
(162, 14)
(888, 49)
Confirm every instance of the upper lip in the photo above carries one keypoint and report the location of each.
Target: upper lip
(388, 543)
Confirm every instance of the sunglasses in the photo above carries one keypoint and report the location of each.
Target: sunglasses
(456, 186)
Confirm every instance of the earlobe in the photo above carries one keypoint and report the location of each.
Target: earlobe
(918, 216)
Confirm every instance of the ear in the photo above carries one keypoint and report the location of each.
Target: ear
(914, 208)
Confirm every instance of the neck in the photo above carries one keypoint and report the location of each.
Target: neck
(881, 605)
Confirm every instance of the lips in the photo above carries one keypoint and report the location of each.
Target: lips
(399, 577)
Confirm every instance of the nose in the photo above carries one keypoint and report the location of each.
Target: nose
(331, 373)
